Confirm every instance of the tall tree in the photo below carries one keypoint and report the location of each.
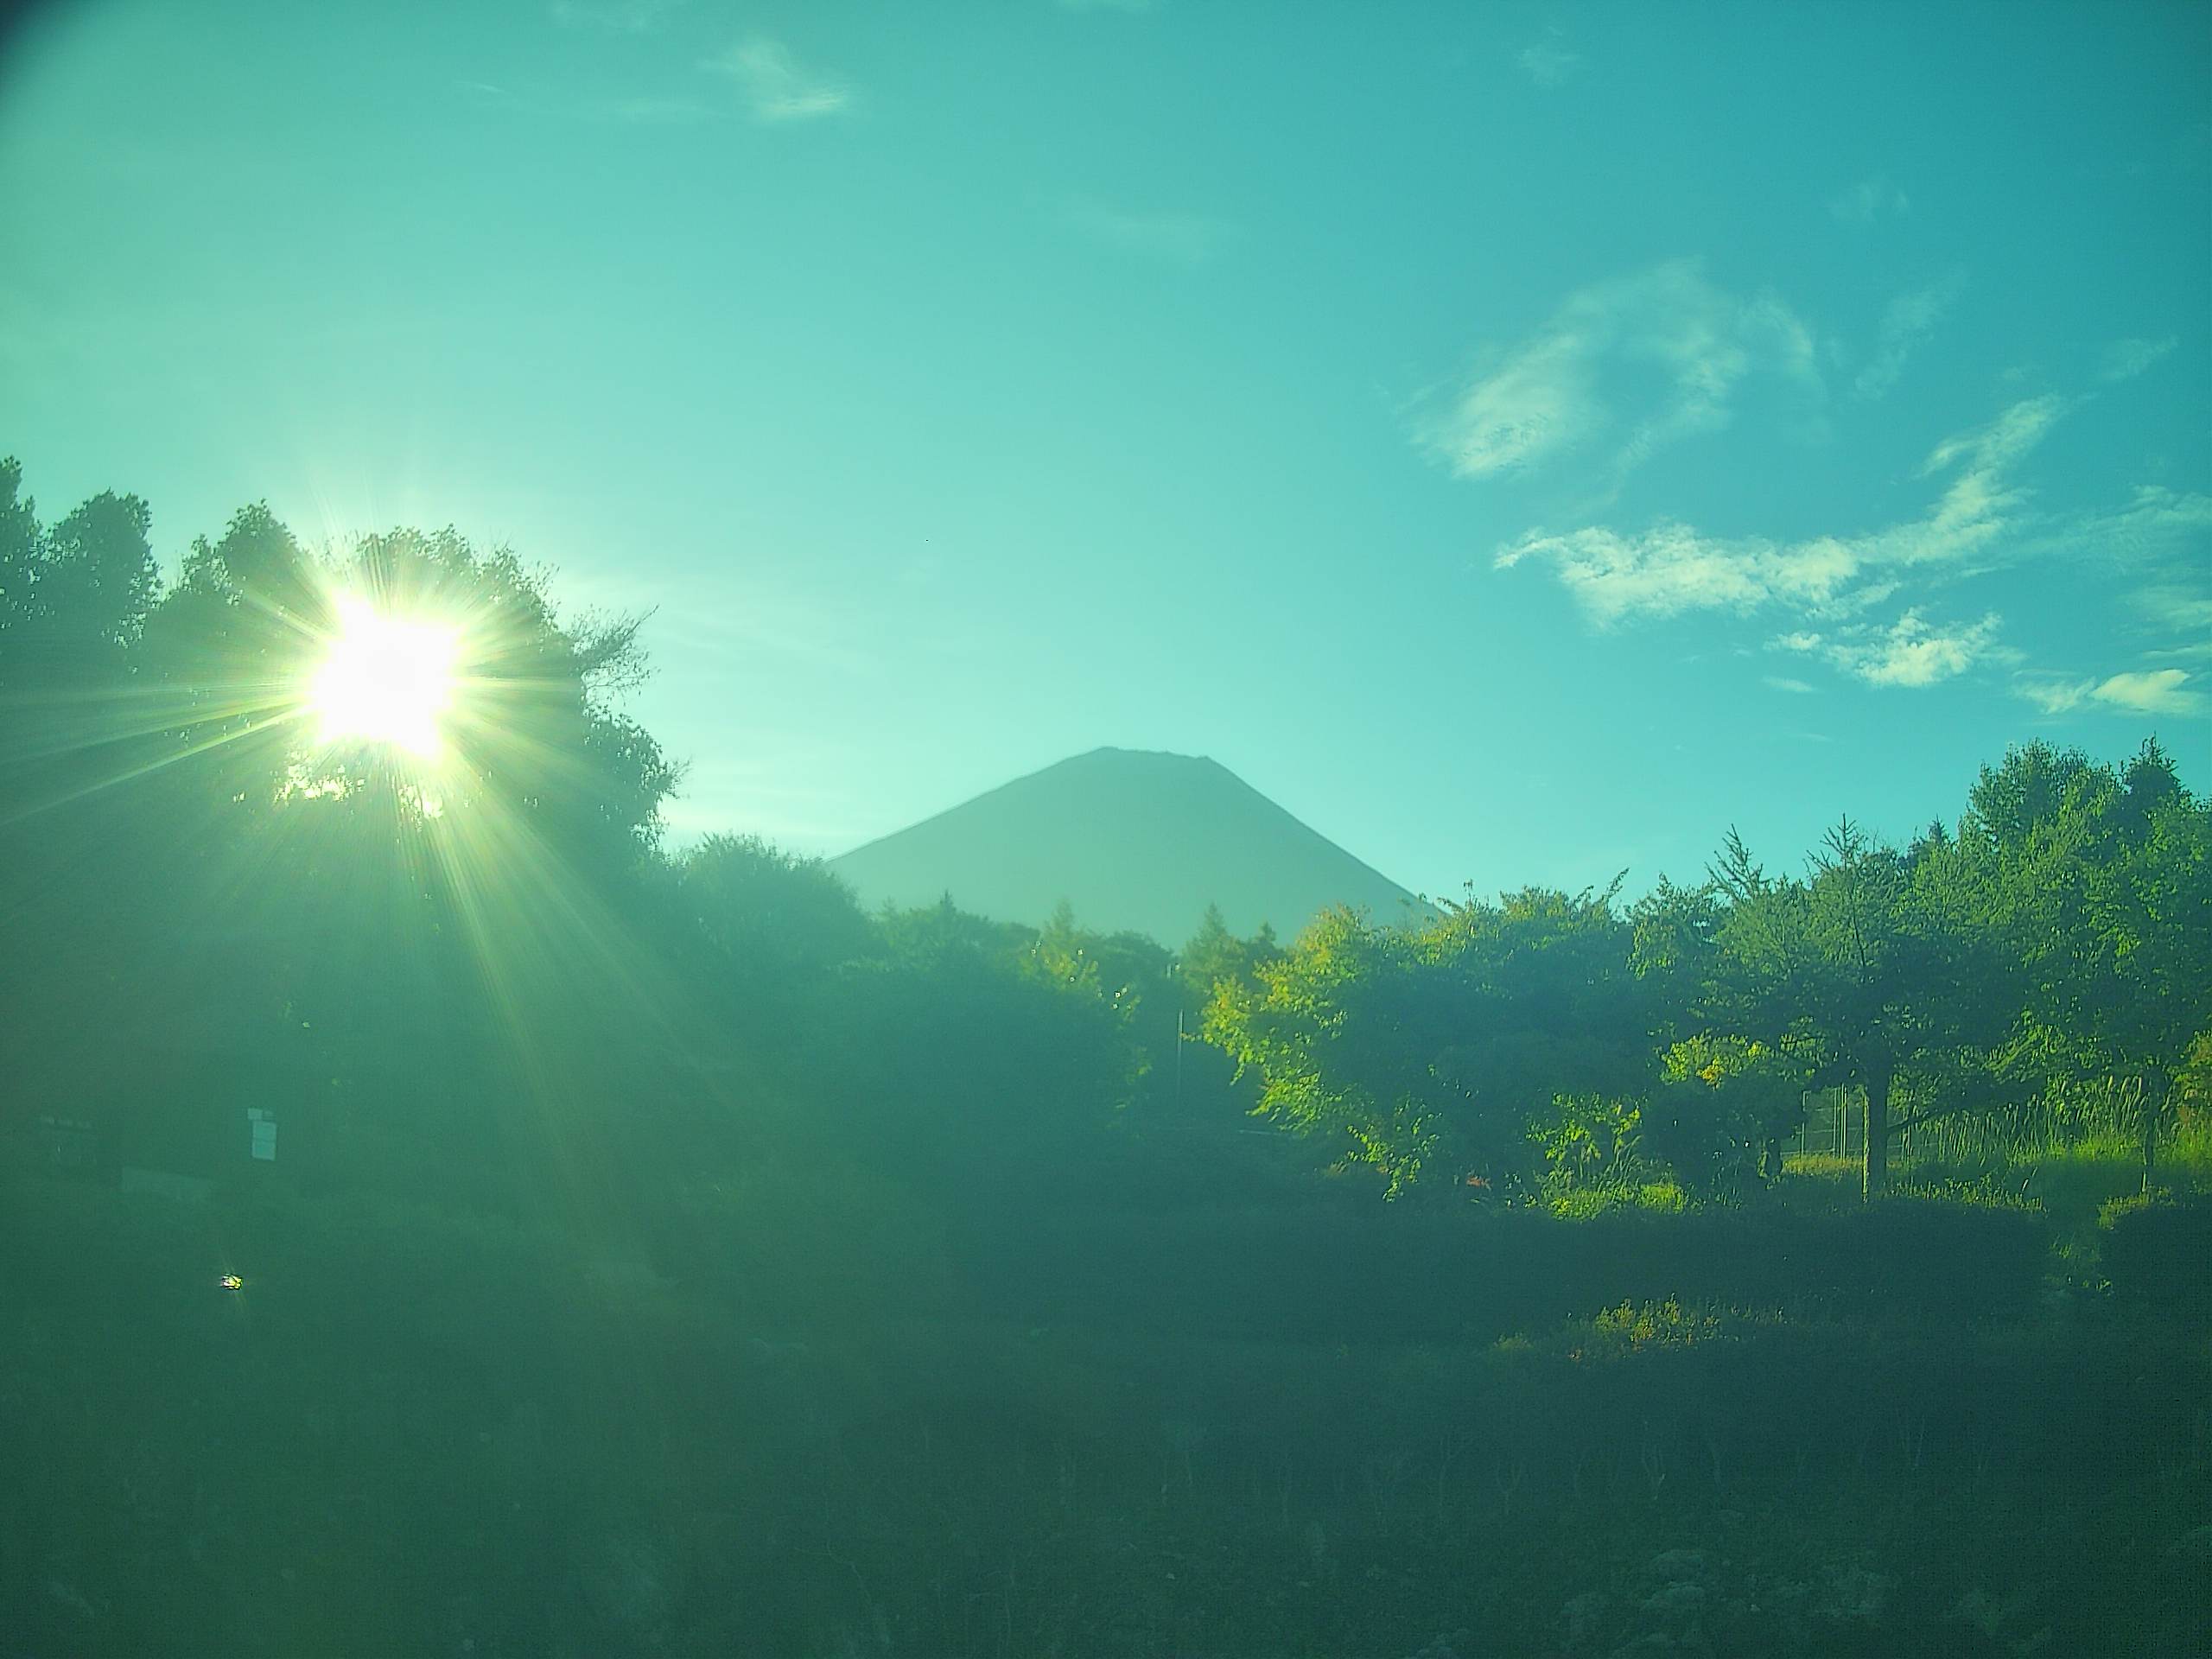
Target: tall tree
(2102, 891)
(1866, 973)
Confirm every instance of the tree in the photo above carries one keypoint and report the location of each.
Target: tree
(74, 594)
(1437, 1050)
(1864, 972)
(19, 542)
(1214, 954)
(2102, 889)
(962, 1056)
(774, 914)
(536, 747)
(1724, 1107)
(216, 900)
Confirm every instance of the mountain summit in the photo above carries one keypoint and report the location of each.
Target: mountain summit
(1132, 839)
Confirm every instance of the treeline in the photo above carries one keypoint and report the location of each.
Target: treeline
(488, 976)
(492, 971)
(2052, 942)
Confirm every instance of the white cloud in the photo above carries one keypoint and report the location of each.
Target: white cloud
(1674, 567)
(2145, 691)
(1180, 238)
(1980, 505)
(2054, 696)
(774, 85)
(1909, 319)
(1911, 652)
(2125, 358)
(1556, 392)
(1549, 63)
(1783, 683)
(2157, 519)
(2152, 691)
(1868, 200)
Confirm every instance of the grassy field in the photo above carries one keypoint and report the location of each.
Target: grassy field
(1950, 1425)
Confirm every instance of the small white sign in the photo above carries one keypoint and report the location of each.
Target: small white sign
(265, 1136)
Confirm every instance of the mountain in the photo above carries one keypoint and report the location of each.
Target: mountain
(1132, 839)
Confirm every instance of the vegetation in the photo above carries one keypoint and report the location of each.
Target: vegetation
(665, 1255)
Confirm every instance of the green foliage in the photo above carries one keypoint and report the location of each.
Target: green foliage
(1723, 1106)
(1429, 1051)
(774, 916)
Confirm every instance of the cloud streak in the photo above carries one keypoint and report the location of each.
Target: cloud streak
(1868, 200)
(776, 88)
(2125, 358)
(1566, 388)
(1673, 568)
(1908, 322)
(2144, 692)
(1549, 63)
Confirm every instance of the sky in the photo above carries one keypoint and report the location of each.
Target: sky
(1521, 441)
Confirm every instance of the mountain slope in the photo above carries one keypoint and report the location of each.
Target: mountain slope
(1131, 839)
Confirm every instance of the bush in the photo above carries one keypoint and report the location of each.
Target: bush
(2157, 1251)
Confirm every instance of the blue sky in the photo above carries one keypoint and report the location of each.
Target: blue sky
(1522, 441)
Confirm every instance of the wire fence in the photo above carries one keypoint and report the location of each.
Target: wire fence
(1834, 1125)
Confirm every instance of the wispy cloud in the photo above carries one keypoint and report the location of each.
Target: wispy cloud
(615, 17)
(1562, 388)
(2125, 358)
(1908, 321)
(1912, 651)
(1673, 568)
(2155, 550)
(1549, 63)
(1868, 200)
(2147, 691)
(1179, 238)
(1783, 683)
(775, 86)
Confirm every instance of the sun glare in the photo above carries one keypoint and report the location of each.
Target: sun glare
(387, 679)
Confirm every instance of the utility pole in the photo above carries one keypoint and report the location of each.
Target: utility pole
(1179, 1065)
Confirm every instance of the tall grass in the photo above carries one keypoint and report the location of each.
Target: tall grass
(2067, 1153)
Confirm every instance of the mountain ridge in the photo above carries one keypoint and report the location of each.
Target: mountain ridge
(1136, 839)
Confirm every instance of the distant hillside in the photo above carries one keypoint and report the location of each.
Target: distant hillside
(1132, 840)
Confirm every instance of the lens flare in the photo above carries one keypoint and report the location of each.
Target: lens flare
(386, 679)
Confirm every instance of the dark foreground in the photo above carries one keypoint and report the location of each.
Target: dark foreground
(1797, 1431)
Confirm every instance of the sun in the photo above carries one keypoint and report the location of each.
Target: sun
(386, 679)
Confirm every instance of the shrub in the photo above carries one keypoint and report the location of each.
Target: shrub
(2156, 1250)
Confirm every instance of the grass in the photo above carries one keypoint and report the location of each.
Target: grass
(1787, 1425)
